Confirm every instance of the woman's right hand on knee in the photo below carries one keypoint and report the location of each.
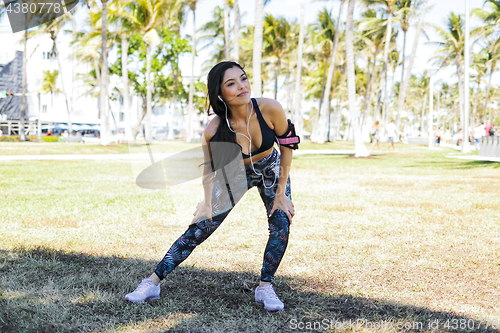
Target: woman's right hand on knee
(202, 212)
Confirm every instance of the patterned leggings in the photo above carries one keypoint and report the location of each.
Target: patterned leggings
(201, 230)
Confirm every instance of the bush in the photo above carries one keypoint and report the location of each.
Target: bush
(50, 138)
(11, 138)
(32, 138)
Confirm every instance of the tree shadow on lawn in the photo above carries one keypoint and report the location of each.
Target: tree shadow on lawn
(455, 164)
(43, 290)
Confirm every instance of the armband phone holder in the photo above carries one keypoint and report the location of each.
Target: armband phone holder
(290, 139)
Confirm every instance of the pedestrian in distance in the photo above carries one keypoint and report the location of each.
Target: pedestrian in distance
(376, 135)
(392, 134)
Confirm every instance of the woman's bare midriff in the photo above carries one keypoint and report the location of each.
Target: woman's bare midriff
(258, 157)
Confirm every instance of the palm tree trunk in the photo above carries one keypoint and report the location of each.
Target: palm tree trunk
(189, 122)
(97, 70)
(277, 71)
(138, 125)
(476, 102)
(359, 146)
(391, 91)
(385, 107)
(257, 48)
(149, 107)
(176, 72)
(22, 134)
(227, 44)
(104, 77)
(236, 31)
(316, 119)
(398, 119)
(289, 91)
(368, 81)
(323, 84)
(423, 113)
(406, 83)
(326, 98)
(371, 83)
(337, 117)
(488, 88)
(70, 124)
(460, 95)
(383, 83)
(455, 117)
(126, 95)
(297, 114)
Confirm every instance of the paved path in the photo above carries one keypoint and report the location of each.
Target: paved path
(475, 158)
(100, 157)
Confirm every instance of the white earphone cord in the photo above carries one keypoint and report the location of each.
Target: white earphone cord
(250, 146)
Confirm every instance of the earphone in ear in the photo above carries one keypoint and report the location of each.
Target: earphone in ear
(220, 98)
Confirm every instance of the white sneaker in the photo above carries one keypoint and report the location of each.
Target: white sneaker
(267, 296)
(144, 291)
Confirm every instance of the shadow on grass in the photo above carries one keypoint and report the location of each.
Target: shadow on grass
(456, 164)
(43, 290)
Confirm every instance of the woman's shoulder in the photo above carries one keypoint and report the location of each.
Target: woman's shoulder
(269, 105)
(271, 110)
(211, 128)
(273, 113)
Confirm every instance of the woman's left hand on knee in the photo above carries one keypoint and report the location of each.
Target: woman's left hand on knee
(283, 203)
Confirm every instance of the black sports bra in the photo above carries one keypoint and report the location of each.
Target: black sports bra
(267, 133)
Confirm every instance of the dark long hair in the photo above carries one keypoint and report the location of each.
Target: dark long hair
(214, 83)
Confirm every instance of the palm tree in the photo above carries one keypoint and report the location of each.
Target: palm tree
(49, 85)
(53, 28)
(276, 43)
(322, 39)
(492, 19)
(479, 63)
(297, 114)
(421, 87)
(104, 74)
(407, 76)
(214, 36)
(394, 60)
(452, 50)
(390, 7)
(359, 146)
(257, 47)
(372, 42)
(493, 50)
(189, 130)
(148, 15)
(405, 10)
(22, 134)
(120, 15)
(86, 45)
(326, 98)
(227, 45)
(236, 31)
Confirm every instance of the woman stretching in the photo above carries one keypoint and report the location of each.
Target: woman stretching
(251, 125)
